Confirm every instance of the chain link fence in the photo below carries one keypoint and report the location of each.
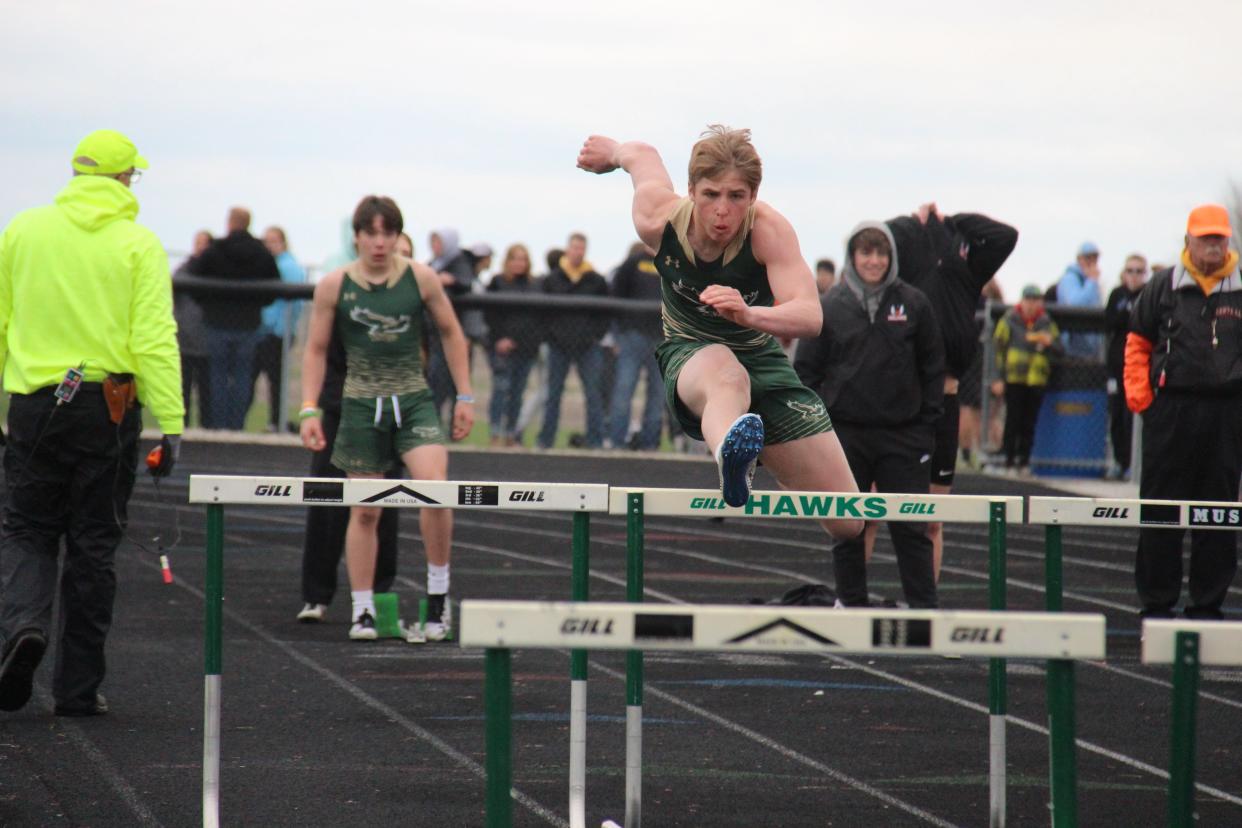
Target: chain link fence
(232, 364)
(1082, 428)
(1077, 432)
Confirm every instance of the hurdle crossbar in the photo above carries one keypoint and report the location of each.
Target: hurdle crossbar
(422, 494)
(818, 505)
(500, 626)
(1147, 514)
(1187, 645)
(216, 491)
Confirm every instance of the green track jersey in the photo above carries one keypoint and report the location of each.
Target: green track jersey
(381, 328)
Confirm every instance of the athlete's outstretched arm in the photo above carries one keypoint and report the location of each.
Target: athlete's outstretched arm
(654, 197)
(797, 312)
(456, 349)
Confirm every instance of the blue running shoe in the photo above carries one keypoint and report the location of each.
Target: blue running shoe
(735, 457)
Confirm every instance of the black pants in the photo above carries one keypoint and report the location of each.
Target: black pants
(325, 531)
(69, 473)
(1120, 427)
(194, 375)
(267, 361)
(1021, 411)
(896, 460)
(1192, 450)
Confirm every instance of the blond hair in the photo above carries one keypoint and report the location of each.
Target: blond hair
(721, 149)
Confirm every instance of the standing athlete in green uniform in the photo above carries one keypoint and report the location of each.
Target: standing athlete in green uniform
(733, 279)
(387, 410)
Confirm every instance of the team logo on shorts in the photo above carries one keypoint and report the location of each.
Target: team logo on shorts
(808, 411)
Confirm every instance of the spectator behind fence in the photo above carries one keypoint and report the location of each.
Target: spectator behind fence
(513, 345)
(573, 338)
(456, 272)
(878, 365)
(1117, 323)
(1026, 340)
(1183, 373)
(636, 337)
(232, 322)
(192, 340)
(73, 437)
(825, 275)
(280, 319)
(1079, 287)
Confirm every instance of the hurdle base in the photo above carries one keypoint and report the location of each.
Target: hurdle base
(608, 823)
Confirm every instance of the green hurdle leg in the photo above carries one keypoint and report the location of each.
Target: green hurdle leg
(634, 666)
(213, 637)
(1182, 741)
(1063, 760)
(578, 675)
(1053, 578)
(1062, 753)
(498, 701)
(996, 671)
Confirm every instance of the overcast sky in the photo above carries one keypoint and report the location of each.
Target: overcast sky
(1071, 120)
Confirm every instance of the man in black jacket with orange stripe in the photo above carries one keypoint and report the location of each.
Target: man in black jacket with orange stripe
(1183, 372)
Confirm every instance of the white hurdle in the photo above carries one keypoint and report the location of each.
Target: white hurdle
(997, 511)
(499, 626)
(216, 491)
(1186, 645)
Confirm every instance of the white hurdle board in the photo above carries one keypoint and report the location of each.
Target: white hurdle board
(625, 626)
(818, 505)
(426, 494)
(1149, 514)
(1220, 642)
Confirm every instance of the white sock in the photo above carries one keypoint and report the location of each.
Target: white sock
(437, 579)
(364, 599)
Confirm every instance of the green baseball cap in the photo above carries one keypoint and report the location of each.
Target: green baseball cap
(106, 152)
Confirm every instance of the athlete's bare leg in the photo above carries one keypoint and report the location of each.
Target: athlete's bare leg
(431, 463)
(935, 531)
(361, 541)
(815, 464)
(715, 387)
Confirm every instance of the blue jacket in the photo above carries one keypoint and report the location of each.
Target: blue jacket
(274, 314)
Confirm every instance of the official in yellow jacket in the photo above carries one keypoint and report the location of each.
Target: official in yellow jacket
(86, 337)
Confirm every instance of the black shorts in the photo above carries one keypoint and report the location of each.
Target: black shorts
(944, 455)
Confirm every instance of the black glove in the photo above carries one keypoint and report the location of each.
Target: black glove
(163, 457)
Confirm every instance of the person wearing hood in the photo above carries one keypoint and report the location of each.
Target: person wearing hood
(574, 338)
(1026, 340)
(456, 271)
(86, 333)
(878, 364)
(1183, 373)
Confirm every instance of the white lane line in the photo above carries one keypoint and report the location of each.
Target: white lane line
(103, 766)
(910, 684)
(375, 704)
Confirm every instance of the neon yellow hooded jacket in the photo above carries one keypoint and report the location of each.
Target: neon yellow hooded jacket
(80, 281)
